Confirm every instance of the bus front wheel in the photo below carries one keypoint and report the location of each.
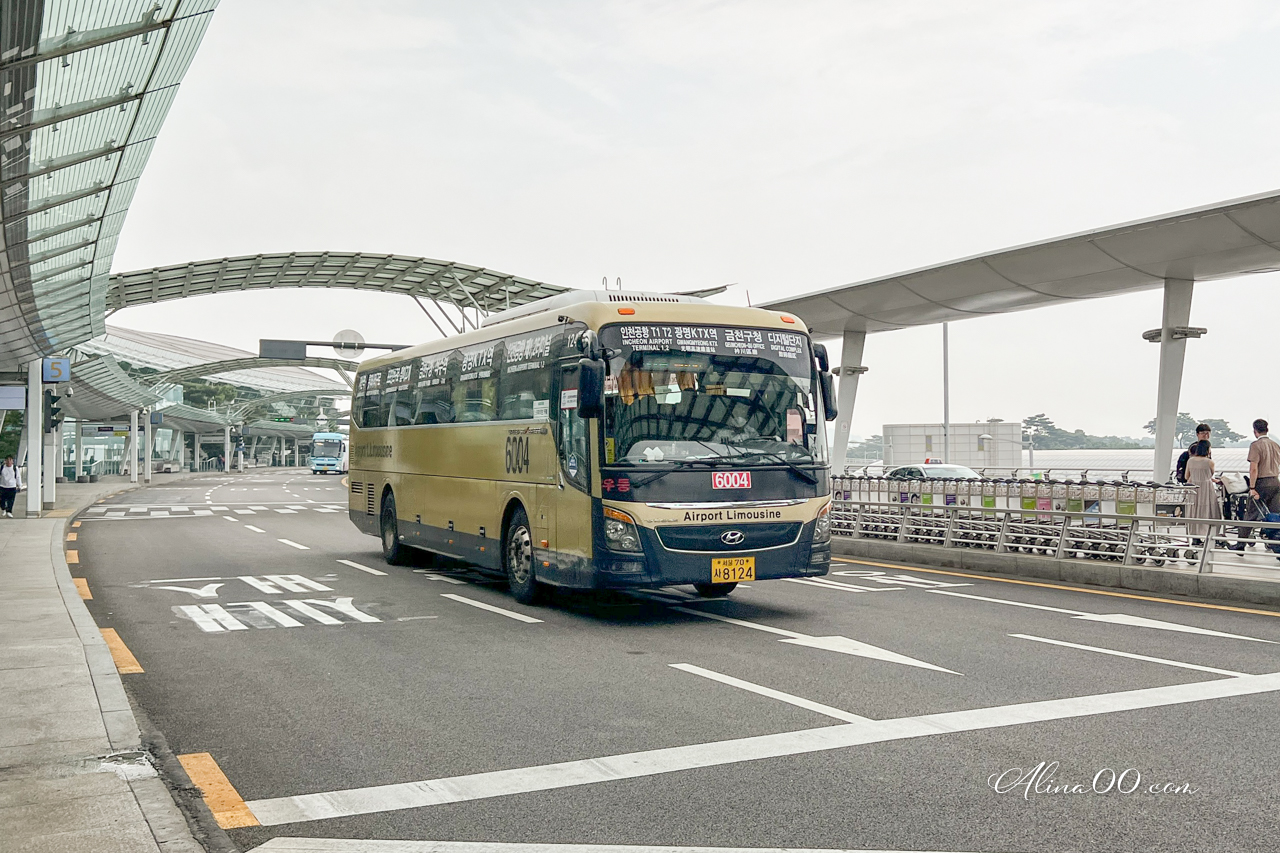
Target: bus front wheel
(393, 551)
(714, 590)
(517, 558)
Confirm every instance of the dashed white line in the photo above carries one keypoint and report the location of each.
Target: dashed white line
(511, 614)
(355, 565)
(254, 529)
(293, 544)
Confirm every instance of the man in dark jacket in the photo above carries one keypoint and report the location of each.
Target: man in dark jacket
(1202, 434)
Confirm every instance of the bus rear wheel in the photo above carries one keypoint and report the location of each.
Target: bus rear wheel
(517, 559)
(393, 551)
(714, 590)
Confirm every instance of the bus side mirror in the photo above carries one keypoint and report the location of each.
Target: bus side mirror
(828, 396)
(590, 388)
(820, 353)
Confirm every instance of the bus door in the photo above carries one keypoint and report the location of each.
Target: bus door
(573, 514)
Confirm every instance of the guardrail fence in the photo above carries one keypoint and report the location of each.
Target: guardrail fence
(1129, 523)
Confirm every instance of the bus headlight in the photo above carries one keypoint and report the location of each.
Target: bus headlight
(822, 525)
(620, 531)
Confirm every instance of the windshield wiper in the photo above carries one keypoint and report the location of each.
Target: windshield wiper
(675, 465)
(808, 476)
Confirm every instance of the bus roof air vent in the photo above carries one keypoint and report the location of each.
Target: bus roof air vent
(577, 297)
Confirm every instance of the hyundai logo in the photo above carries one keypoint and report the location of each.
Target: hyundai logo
(732, 537)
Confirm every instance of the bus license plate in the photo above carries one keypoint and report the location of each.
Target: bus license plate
(733, 569)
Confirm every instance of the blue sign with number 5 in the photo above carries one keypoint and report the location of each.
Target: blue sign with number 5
(57, 370)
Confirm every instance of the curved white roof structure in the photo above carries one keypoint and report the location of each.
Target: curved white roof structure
(1217, 241)
(84, 89)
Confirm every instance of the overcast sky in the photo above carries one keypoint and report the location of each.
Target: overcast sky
(784, 146)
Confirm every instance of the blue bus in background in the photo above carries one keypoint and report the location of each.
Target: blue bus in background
(329, 453)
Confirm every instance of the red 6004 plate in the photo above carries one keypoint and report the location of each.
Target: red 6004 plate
(730, 479)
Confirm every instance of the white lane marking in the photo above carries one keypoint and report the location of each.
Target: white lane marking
(434, 577)
(296, 506)
(1007, 601)
(740, 622)
(178, 509)
(254, 529)
(255, 506)
(203, 512)
(293, 544)
(138, 509)
(244, 512)
(307, 610)
(1131, 655)
(209, 590)
(212, 618)
(362, 568)
(229, 518)
(1142, 622)
(297, 583)
(283, 511)
(282, 844)
(843, 645)
(790, 699)
(479, 786)
(847, 587)
(183, 580)
(1112, 618)
(277, 616)
(511, 614)
(344, 606)
(218, 508)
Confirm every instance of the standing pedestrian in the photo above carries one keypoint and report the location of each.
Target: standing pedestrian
(1264, 479)
(10, 483)
(1199, 473)
(1180, 473)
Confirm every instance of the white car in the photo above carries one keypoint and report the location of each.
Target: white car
(932, 470)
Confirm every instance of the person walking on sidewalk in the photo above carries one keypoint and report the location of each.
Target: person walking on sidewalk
(1264, 479)
(1199, 472)
(10, 483)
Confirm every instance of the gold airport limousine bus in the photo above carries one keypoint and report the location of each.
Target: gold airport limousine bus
(602, 440)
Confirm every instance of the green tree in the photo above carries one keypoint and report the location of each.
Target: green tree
(1185, 431)
(10, 434)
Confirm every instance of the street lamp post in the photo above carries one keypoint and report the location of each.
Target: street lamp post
(1030, 445)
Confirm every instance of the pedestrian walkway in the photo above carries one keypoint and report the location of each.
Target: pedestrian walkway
(73, 772)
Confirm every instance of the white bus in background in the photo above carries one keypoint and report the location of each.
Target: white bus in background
(329, 453)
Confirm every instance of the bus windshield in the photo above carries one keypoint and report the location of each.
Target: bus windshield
(327, 448)
(685, 393)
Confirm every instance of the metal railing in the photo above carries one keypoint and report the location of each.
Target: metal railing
(1132, 540)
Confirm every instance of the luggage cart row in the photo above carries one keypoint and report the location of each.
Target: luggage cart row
(1044, 517)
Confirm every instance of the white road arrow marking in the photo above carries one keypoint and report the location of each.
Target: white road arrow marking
(854, 647)
(842, 645)
(1141, 622)
(209, 590)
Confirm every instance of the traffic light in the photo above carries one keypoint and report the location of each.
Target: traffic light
(52, 412)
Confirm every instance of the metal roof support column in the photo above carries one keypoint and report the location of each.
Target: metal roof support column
(52, 466)
(80, 472)
(132, 458)
(1177, 312)
(226, 448)
(851, 370)
(35, 434)
(195, 452)
(149, 448)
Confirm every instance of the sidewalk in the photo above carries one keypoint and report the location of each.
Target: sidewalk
(73, 775)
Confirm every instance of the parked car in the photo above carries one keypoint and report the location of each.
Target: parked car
(932, 469)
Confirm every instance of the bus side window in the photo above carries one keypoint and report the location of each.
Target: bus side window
(575, 461)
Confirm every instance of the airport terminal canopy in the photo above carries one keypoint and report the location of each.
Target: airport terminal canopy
(164, 353)
(1218, 241)
(84, 89)
(461, 285)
